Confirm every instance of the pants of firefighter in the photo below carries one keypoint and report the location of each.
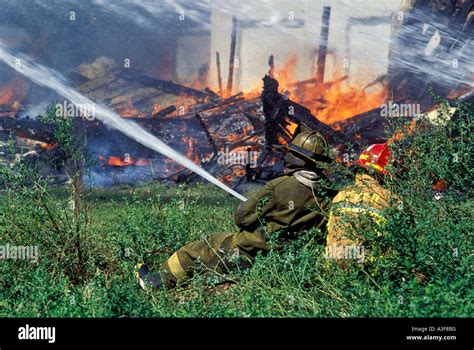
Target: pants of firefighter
(218, 252)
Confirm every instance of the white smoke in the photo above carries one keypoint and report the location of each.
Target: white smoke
(443, 63)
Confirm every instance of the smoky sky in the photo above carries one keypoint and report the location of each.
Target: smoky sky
(46, 31)
(143, 30)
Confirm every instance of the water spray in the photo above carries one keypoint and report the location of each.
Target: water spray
(47, 77)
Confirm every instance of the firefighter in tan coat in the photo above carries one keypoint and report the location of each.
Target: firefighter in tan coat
(358, 211)
(285, 206)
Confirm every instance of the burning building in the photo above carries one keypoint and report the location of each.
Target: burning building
(191, 74)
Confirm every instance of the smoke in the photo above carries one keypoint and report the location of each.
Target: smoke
(447, 62)
(359, 29)
(47, 77)
(439, 50)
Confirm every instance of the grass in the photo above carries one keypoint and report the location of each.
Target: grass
(146, 223)
(90, 241)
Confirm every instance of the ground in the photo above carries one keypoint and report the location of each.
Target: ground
(148, 222)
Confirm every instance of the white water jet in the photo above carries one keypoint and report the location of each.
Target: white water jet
(47, 77)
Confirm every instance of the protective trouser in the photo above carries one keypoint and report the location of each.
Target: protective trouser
(220, 253)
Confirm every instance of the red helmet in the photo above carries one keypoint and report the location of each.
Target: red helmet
(375, 157)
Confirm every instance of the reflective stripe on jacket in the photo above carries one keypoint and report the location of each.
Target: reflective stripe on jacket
(355, 209)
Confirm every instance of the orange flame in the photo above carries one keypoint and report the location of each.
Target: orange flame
(47, 146)
(156, 109)
(126, 161)
(236, 137)
(190, 152)
(6, 94)
(328, 102)
(130, 111)
(236, 172)
(12, 94)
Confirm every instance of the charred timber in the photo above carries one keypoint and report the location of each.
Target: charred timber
(323, 45)
(278, 108)
(28, 128)
(165, 111)
(218, 103)
(211, 141)
(233, 42)
(219, 77)
(168, 86)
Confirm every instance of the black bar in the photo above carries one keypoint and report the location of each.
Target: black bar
(365, 333)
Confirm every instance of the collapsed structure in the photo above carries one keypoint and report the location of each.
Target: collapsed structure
(211, 127)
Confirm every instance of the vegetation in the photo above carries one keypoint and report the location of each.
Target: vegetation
(87, 256)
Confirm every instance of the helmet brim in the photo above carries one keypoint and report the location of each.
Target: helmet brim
(317, 159)
(372, 166)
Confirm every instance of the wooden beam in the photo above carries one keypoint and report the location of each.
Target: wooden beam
(271, 65)
(323, 45)
(167, 86)
(233, 42)
(219, 76)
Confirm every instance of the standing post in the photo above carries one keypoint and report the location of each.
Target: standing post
(323, 45)
(271, 65)
(233, 41)
(219, 77)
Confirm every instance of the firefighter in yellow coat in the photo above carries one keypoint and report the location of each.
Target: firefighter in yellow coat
(360, 208)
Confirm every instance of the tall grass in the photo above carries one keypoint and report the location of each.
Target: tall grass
(425, 269)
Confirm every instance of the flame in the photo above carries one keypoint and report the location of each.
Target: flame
(329, 102)
(12, 94)
(340, 104)
(195, 82)
(289, 129)
(285, 75)
(236, 173)
(47, 146)
(156, 109)
(236, 137)
(191, 153)
(130, 111)
(125, 161)
(6, 94)
(281, 140)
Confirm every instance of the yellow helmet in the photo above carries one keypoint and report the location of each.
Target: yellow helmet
(311, 145)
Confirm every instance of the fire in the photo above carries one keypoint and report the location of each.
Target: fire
(285, 76)
(47, 146)
(156, 109)
(196, 81)
(13, 94)
(191, 153)
(289, 129)
(236, 137)
(329, 102)
(282, 140)
(130, 111)
(237, 172)
(338, 103)
(6, 94)
(125, 161)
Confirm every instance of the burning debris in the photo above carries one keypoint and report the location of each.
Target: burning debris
(238, 137)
